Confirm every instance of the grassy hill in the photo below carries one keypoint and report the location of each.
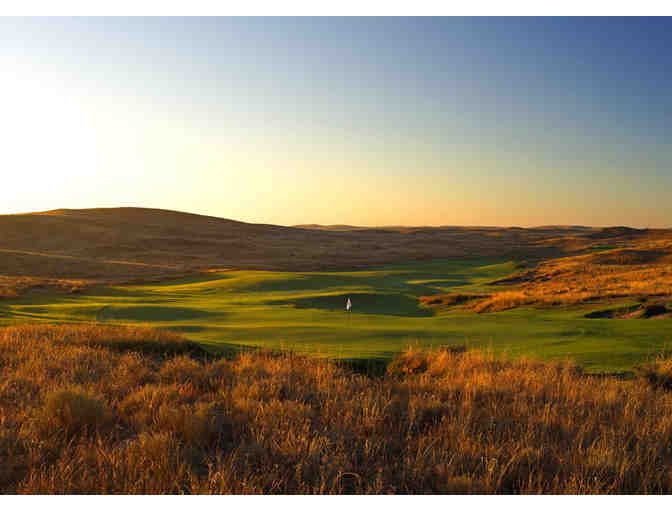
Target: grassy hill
(70, 249)
(635, 265)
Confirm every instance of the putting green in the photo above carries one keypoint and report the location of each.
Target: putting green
(306, 312)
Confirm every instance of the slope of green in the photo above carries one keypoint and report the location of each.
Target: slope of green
(305, 312)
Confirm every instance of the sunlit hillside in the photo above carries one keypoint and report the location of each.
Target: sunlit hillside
(625, 264)
(71, 249)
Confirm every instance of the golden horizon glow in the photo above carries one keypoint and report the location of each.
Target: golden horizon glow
(271, 129)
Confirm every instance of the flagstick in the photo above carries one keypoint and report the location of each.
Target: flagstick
(348, 308)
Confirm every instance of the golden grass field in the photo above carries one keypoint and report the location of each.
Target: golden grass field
(114, 410)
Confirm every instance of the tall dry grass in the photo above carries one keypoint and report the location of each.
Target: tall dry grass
(14, 286)
(90, 409)
(642, 270)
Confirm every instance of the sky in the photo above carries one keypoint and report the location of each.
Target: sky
(363, 121)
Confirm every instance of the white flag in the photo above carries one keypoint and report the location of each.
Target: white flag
(348, 305)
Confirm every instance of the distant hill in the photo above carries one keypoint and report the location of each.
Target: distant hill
(129, 243)
(611, 232)
(315, 226)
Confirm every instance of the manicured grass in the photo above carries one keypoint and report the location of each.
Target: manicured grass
(304, 311)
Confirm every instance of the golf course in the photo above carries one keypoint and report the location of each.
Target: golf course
(305, 312)
(345, 254)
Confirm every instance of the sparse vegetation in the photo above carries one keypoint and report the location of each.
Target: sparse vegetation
(99, 416)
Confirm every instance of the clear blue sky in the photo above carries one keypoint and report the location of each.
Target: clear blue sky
(369, 121)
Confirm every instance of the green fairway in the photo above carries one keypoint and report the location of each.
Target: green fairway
(306, 312)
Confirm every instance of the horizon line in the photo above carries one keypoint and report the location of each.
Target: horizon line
(339, 225)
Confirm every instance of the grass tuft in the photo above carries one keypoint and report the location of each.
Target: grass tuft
(72, 411)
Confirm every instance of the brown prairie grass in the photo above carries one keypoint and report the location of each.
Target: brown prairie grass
(658, 373)
(84, 409)
(639, 271)
(581, 279)
(14, 286)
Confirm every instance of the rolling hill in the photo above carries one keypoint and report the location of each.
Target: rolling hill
(72, 248)
(129, 241)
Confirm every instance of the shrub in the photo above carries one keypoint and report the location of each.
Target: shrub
(658, 374)
(73, 411)
(412, 361)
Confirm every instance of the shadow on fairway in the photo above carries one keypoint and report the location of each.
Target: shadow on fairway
(227, 350)
(154, 313)
(415, 283)
(364, 303)
(186, 328)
